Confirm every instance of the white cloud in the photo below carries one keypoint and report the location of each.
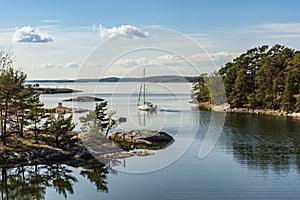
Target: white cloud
(219, 58)
(281, 27)
(123, 31)
(222, 56)
(169, 60)
(31, 35)
(68, 65)
(132, 62)
(274, 30)
(72, 64)
(48, 65)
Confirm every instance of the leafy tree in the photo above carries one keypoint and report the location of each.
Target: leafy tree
(58, 126)
(99, 120)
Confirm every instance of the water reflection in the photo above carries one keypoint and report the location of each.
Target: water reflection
(31, 182)
(263, 143)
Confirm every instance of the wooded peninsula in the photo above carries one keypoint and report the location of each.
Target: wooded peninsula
(260, 78)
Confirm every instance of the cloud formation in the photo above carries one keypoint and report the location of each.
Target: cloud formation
(71, 64)
(31, 35)
(123, 31)
(281, 27)
(219, 58)
(50, 21)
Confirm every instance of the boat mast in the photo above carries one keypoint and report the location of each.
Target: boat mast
(140, 93)
(144, 86)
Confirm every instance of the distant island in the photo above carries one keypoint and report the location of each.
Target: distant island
(156, 79)
(42, 90)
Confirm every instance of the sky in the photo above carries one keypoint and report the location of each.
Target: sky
(69, 39)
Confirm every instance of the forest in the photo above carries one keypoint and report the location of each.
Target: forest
(261, 78)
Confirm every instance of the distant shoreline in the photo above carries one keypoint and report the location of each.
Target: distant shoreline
(158, 79)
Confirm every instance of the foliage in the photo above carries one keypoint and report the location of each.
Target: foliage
(12, 97)
(35, 116)
(199, 85)
(99, 120)
(261, 77)
(58, 126)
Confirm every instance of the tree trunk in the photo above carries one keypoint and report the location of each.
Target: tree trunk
(57, 140)
(35, 131)
(22, 126)
(5, 122)
(1, 124)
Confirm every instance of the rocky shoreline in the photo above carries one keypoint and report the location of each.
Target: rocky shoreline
(226, 108)
(73, 152)
(77, 152)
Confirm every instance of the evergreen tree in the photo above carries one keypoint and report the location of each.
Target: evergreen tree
(259, 78)
(35, 116)
(200, 92)
(22, 104)
(297, 105)
(11, 82)
(58, 126)
(99, 120)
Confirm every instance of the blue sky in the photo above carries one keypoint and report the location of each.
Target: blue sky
(64, 35)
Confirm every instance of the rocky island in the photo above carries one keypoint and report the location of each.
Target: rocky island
(41, 90)
(84, 99)
(142, 139)
(85, 148)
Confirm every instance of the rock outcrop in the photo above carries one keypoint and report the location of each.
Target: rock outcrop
(84, 99)
(142, 139)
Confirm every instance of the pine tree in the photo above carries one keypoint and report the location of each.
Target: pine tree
(200, 92)
(10, 85)
(22, 104)
(297, 105)
(35, 115)
(58, 126)
(100, 120)
(288, 99)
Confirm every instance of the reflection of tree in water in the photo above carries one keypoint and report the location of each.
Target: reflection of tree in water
(97, 176)
(28, 182)
(22, 183)
(61, 179)
(267, 157)
(263, 143)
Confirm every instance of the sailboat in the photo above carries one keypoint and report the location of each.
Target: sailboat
(142, 103)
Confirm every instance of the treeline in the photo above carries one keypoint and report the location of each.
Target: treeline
(20, 107)
(262, 78)
(21, 111)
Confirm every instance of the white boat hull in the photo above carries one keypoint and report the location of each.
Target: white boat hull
(147, 107)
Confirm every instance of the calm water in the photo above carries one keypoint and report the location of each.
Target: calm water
(256, 157)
